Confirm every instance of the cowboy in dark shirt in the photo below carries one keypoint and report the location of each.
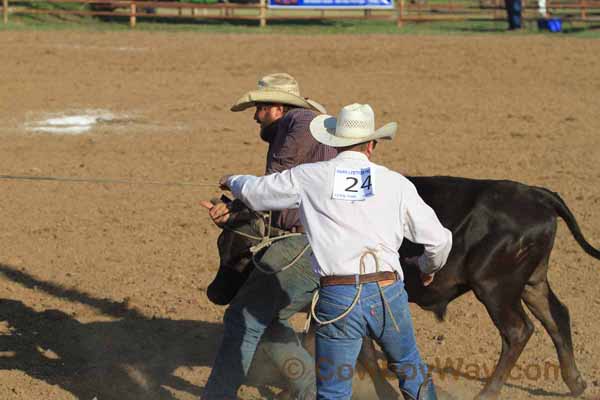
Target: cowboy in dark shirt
(261, 309)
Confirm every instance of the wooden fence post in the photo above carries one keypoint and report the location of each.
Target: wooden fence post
(5, 11)
(399, 21)
(132, 18)
(263, 13)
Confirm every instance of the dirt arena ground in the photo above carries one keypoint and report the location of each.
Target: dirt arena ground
(102, 287)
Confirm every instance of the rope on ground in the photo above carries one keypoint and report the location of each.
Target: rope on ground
(103, 181)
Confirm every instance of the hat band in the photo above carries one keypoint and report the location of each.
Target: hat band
(354, 129)
(281, 88)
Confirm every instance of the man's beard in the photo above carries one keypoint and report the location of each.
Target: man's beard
(268, 133)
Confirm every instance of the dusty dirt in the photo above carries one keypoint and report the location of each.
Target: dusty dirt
(102, 290)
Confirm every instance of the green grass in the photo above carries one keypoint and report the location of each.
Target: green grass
(70, 22)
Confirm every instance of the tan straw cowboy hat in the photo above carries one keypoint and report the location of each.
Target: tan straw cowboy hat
(279, 88)
(355, 124)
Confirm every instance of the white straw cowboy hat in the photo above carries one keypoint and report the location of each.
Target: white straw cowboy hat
(355, 124)
(277, 88)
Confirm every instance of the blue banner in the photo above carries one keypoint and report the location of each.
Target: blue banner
(332, 4)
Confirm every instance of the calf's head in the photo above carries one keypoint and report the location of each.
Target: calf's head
(234, 252)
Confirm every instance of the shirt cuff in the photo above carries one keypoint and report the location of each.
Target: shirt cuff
(425, 266)
(435, 259)
(236, 184)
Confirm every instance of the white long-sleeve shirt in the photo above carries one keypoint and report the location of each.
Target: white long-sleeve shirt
(339, 229)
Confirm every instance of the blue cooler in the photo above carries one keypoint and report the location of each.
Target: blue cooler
(554, 24)
(551, 24)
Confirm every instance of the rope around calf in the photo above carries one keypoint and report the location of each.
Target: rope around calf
(265, 241)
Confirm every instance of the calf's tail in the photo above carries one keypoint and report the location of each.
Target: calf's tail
(563, 211)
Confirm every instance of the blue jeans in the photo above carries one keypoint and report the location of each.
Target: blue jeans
(339, 343)
(513, 13)
(259, 312)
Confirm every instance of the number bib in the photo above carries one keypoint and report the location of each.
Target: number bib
(352, 184)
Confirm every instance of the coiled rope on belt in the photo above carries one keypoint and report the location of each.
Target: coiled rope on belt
(265, 241)
(312, 313)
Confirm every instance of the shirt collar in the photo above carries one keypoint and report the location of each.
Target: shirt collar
(352, 155)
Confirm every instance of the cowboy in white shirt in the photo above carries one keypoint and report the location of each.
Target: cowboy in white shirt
(356, 214)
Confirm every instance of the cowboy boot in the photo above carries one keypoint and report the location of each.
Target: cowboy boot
(426, 391)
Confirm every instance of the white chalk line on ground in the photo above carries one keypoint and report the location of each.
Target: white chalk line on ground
(77, 122)
(73, 123)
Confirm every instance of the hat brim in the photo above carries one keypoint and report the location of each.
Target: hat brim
(275, 96)
(322, 128)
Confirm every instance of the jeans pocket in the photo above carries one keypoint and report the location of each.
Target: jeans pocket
(327, 311)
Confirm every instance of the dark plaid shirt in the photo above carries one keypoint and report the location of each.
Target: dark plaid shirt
(291, 144)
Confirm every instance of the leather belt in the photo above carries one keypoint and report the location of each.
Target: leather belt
(358, 279)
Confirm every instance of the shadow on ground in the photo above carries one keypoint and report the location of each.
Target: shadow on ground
(133, 357)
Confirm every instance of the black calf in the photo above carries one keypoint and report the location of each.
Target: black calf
(503, 234)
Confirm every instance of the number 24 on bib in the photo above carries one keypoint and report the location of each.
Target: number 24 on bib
(352, 184)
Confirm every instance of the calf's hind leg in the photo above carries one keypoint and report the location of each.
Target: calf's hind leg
(554, 316)
(515, 329)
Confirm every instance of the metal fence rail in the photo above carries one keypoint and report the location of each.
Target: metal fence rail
(406, 10)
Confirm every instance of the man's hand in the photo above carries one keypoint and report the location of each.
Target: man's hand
(223, 182)
(219, 213)
(426, 279)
